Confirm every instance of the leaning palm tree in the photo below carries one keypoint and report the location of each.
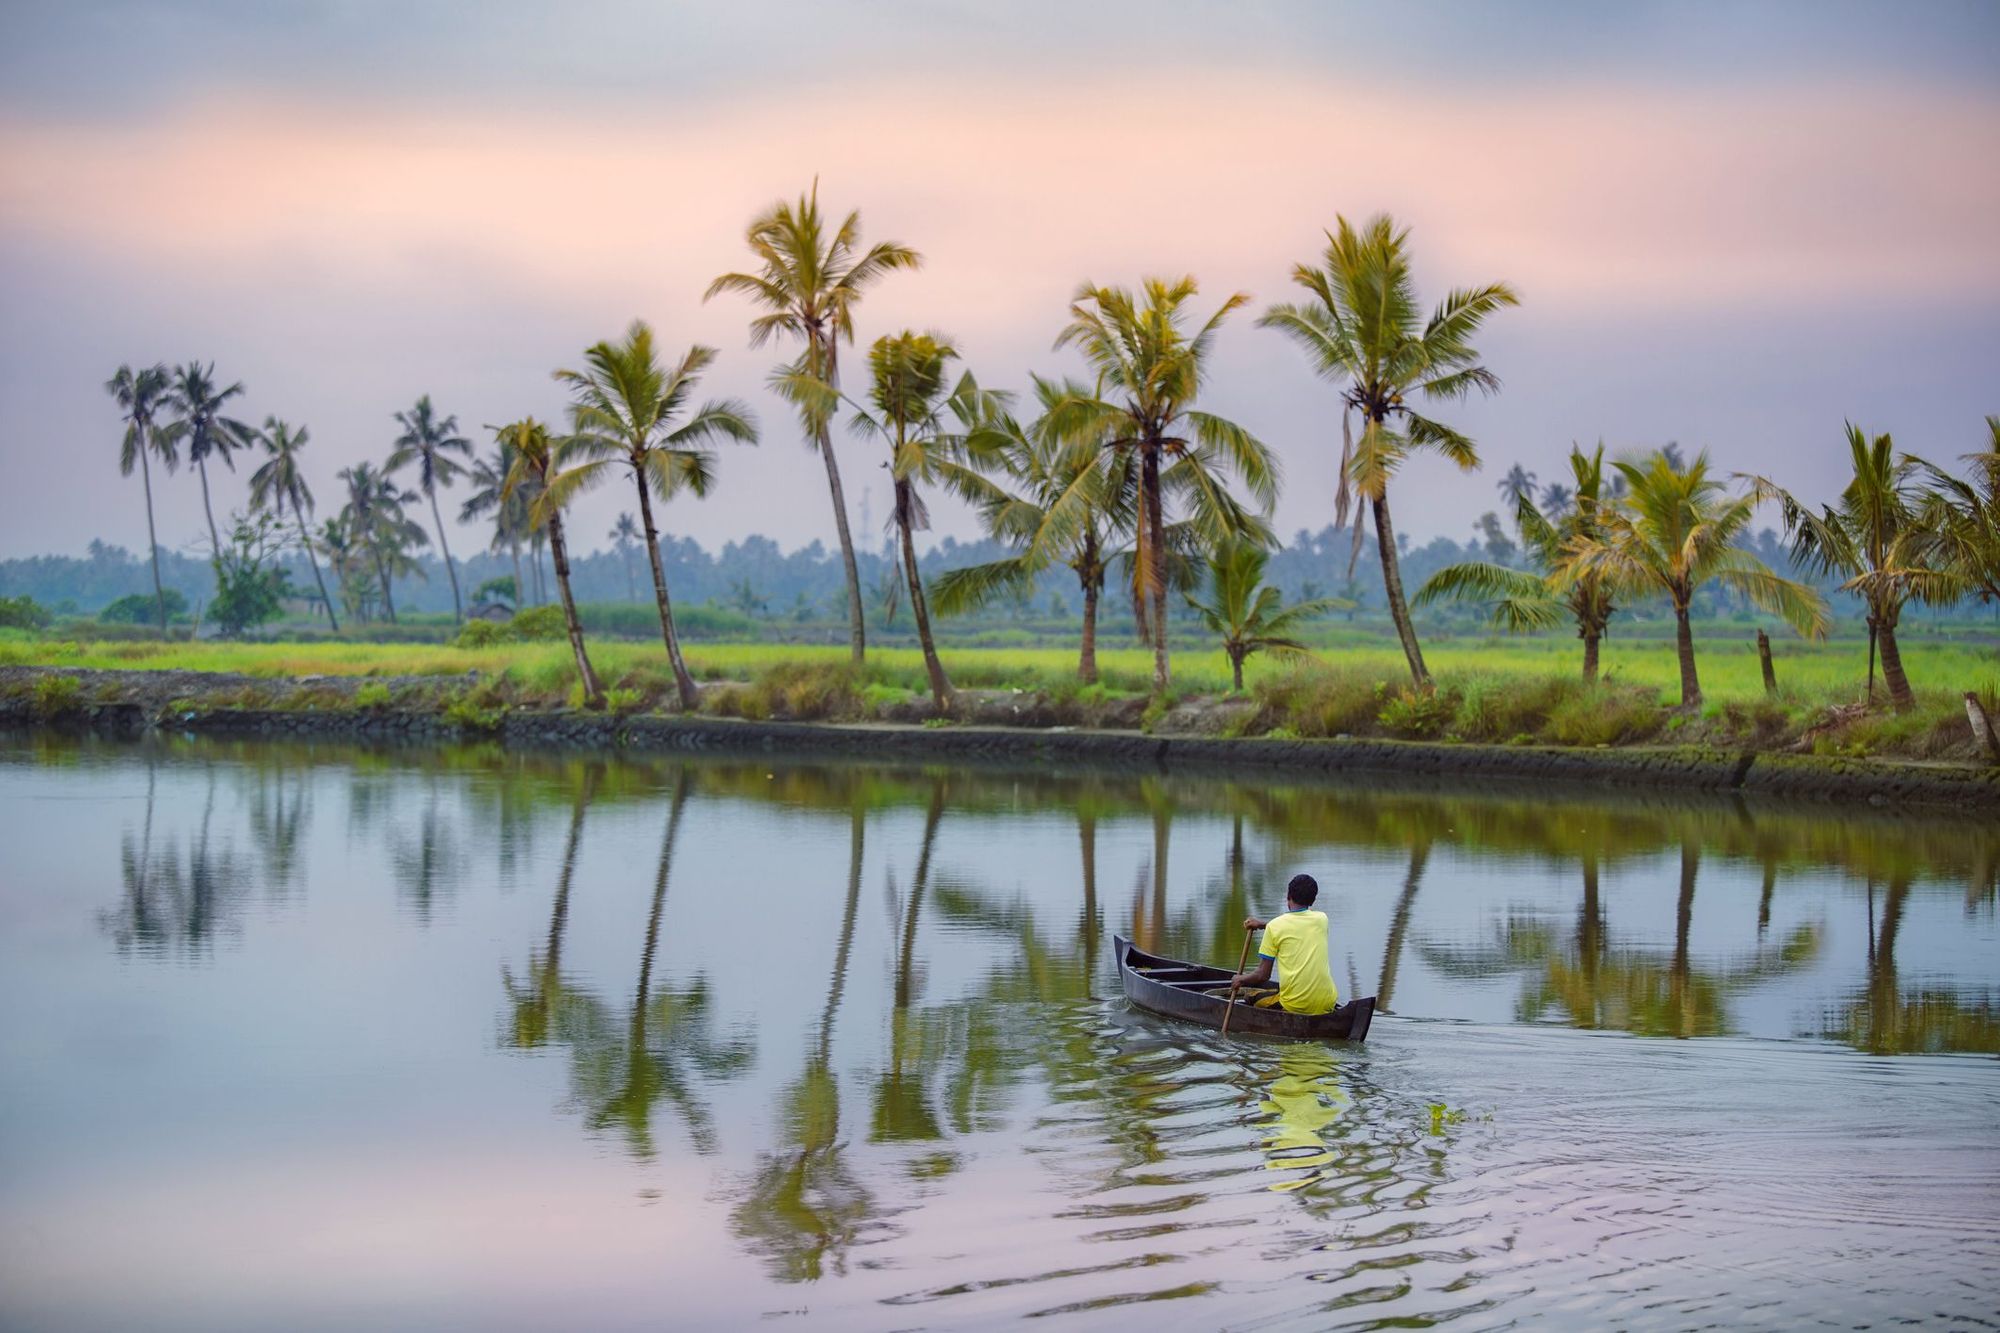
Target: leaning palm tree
(1522, 601)
(1677, 532)
(927, 429)
(140, 394)
(1876, 538)
(430, 441)
(1964, 512)
(376, 522)
(1149, 374)
(279, 485)
(807, 284)
(197, 405)
(1364, 329)
(1054, 501)
(625, 408)
(1249, 615)
(535, 471)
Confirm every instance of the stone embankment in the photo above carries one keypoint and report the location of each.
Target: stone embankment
(134, 702)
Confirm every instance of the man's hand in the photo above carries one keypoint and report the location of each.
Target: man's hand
(1253, 923)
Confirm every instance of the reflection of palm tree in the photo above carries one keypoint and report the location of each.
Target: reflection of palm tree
(167, 906)
(1885, 1019)
(1399, 922)
(424, 867)
(539, 1007)
(902, 1104)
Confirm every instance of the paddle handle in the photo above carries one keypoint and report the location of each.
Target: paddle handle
(1236, 981)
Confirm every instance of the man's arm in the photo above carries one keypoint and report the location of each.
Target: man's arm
(1261, 973)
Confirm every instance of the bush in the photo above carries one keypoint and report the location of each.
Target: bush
(624, 702)
(142, 608)
(1503, 708)
(57, 695)
(373, 696)
(800, 691)
(539, 624)
(22, 612)
(1608, 715)
(1318, 701)
(1419, 714)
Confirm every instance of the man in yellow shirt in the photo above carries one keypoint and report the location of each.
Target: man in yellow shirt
(1296, 944)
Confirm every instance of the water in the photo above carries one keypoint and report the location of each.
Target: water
(323, 1037)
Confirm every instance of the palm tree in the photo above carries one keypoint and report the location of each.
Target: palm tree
(908, 389)
(1518, 481)
(1876, 538)
(488, 479)
(1247, 613)
(430, 442)
(1557, 498)
(1677, 532)
(279, 483)
(625, 408)
(1965, 514)
(375, 519)
(1062, 501)
(807, 285)
(1522, 601)
(1149, 373)
(140, 394)
(534, 470)
(344, 552)
(625, 536)
(198, 405)
(1363, 328)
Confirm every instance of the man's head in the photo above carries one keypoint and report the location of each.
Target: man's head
(1303, 891)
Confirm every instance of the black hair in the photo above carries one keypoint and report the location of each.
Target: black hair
(1303, 890)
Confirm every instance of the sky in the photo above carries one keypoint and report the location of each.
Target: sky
(1732, 226)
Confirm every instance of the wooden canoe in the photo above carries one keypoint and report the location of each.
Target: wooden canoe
(1200, 994)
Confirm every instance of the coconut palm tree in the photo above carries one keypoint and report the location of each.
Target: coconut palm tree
(1057, 501)
(375, 520)
(625, 536)
(625, 409)
(1523, 601)
(430, 441)
(1965, 514)
(1676, 532)
(140, 394)
(487, 478)
(1364, 329)
(1249, 615)
(279, 484)
(350, 565)
(1874, 537)
(534, 470)
(197, 405)
(916, 415)
(1518, 481)
(807, 285)
(1149, 373)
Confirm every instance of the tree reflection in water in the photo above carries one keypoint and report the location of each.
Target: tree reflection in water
(173, 905)
(1886, 1018)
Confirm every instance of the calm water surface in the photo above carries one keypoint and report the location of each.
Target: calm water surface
(321, 1038)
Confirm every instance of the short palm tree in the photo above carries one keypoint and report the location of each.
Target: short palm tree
(1363, 328)
(1676, 532)
(140, 395)
(198, 408)
(1249, 615)
(1149, 374)
(350, 565)
(534, 470)
(1054, 501)
(1964, 512)
(279, 485)
(628, 411)
(430, 442)
(487, 478)
(1524, 601)
(807, 283)
(625, 536)
(1874, 537)
(376, 522)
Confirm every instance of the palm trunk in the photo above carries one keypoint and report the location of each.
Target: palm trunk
(1152, 569)
(631, 587)
(1872, 632)
(1086, 833)
(152, 537)
(940, 687)
(683, 682)
(1892, 669)
(1399, 924)
(313, 560)
(593, 691)
(1236, 667)
(1590, 638)
(856, 624)
(388, 601)
(1678, 978)
(520, 588)
(437, 519)
(1392, 589)
(214, 542)
(1684, 645)
(1086, 663)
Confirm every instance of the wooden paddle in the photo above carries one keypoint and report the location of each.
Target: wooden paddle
(1236, 981)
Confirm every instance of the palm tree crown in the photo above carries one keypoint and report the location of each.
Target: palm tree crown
(430, 441)
(198, 404)
(279, 484)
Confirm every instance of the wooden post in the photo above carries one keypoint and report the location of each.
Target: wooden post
(1982, 726)
(1764, 658)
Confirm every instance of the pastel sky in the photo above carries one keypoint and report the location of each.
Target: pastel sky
(1734, 226)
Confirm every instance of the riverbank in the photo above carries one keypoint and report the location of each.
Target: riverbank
(991, 726)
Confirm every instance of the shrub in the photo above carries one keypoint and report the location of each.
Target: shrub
(1313, 700)
(142, 608)
(22, 612)
(1608, 715)
(539, 624)
(469, 712)
(373, 696)
(1501, 708)
(482, 634)
(56, 696)
(623, 702)
(1419, 714)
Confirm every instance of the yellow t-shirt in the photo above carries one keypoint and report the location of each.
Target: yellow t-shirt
(1296, 942)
